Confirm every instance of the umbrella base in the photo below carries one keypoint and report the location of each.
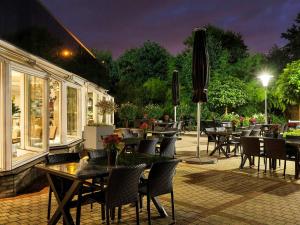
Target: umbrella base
(201, 161)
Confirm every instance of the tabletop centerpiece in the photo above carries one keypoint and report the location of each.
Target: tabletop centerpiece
(112, 147)
(144, 126)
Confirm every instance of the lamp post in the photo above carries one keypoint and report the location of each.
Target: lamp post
(265, 78)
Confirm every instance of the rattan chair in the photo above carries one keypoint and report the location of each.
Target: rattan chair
(159, 182)
(122, 189)
(255, 133)
(250, 148)
(147, 146)
(236, 141)
(167, 147)
(276, 149)
(211, 138)
(97, 154)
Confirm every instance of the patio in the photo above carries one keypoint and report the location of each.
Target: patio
(204, 194)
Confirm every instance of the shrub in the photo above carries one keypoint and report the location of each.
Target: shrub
(154, 111)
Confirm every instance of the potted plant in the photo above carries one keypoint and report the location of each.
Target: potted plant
(128, 112)
(106, 107)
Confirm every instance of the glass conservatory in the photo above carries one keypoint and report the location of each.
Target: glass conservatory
(41, 105)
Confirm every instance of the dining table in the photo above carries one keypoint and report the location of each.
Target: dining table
(222, 139)
(67, 179)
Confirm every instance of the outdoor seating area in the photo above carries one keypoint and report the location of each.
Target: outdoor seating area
(149, 112)
(217, 194)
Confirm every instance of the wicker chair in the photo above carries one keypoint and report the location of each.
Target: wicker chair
(211, 138)
(147, 146)
(96, 154)
(255, 133)
(251, 148)
(167, 147)
(236, 141)
(59, 158)
(276, 149)
(159, 182)
(116, 195)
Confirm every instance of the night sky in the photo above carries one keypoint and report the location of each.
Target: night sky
(117, 25)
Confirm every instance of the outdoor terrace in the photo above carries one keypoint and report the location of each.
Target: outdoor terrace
(218, 193)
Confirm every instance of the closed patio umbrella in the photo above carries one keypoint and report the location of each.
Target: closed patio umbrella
(200, 75)
(175, 92)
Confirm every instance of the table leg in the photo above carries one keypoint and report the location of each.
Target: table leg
(62, 208)
(161, 210)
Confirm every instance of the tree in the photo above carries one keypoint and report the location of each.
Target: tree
(292, 35)
(155, 91)
(228, 93)
(288, 85)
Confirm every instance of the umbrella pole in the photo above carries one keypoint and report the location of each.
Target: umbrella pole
(175, 113)
(198, 128)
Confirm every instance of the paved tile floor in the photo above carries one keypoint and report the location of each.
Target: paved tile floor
(205, 194)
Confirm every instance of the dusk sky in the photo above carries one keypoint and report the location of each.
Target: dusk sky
(117, 25)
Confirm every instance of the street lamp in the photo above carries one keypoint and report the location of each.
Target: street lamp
(265, 78)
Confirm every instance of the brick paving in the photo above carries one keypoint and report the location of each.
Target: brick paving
(204, 194)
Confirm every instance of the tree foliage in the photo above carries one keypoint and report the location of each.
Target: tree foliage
(288, 85)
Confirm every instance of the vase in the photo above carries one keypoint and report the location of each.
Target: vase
(112, 156)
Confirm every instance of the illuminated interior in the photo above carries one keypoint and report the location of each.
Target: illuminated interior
(54, 112)
(28, 114)
(72, 113)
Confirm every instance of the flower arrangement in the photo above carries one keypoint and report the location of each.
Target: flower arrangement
(252, 120)
(144, 126)
(111, 143)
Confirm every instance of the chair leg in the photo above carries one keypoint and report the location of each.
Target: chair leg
(137, 212)
(141, 201)
(107, 215)
(173, 207)
(207, 148)
(103, 211)
(49, 204)
(119, 213)
(148, 209)
(258, 163)
(266, 162)
(284, 168)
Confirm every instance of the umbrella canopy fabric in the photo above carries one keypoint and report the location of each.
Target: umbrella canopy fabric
(175, 88)
(200, 70)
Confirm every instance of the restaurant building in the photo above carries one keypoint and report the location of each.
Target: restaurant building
(45, 99)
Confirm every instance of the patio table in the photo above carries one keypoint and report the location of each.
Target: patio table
(67, 179)
(222, 140)
(162, 133)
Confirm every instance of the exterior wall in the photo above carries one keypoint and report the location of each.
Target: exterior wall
(12, 57)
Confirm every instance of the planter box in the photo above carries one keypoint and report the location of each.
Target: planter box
(93, 134)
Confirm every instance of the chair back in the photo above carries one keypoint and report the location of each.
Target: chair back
(255, 133)
(275, 148)
(62, 158)
(245, 133)
(122, 186)
(160, 179)
(167, 147)
(179, 126)
(210, 137)
(96, 154)
(251, 146)
(147, 146)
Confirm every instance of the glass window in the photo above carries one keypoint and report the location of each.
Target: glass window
(35, 115)
(72, 112)
(17, 111)
(90, 108)
(28, 116)
(54, 112)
